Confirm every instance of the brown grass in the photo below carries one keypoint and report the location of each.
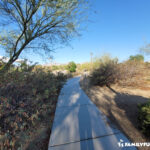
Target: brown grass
(27, 105)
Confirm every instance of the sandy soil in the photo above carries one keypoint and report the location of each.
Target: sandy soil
(120, 106)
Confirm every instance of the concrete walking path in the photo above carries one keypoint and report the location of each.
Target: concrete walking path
(79, 125)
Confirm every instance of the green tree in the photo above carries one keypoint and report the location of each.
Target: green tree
(137, 57)
(37, 24)
(72, 67)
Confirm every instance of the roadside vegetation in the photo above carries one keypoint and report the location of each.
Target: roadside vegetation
(144, 118)
(28, 94)
(122, 92)
(58, 67)
(71, 67)
(28, 97)
(128, 73)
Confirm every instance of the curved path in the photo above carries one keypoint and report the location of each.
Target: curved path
(79, 125)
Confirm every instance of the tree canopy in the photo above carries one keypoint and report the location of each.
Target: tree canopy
(72, 66)
(37, 24)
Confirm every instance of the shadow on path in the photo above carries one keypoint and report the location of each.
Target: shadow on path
(78, 121)
(87, 145)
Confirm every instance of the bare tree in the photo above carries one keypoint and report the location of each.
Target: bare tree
(146, 49)
(37, 24)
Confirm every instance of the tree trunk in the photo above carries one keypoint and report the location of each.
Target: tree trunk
(14, 58)
(6, 67)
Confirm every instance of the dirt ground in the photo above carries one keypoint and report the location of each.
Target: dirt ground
(120, 106)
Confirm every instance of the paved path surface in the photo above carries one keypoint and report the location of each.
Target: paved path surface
(79, 125)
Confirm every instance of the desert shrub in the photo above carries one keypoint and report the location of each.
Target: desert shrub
(128, 73)
(54, 67)
(25, 100)
(88, 66)
(60, 67)
(137, 57)
(144, 118)
(106, 74)
(131, 73)
(72, 67)
(95, 64)
(25, 67)
(84, 67)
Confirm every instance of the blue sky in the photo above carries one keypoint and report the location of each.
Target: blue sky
(119, 27)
